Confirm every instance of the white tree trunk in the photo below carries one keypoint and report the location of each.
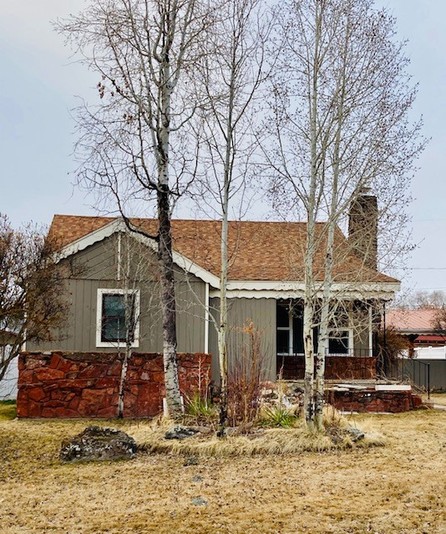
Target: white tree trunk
(168, 305)
(312, 208)
(223, 322)
(323, 338)
(232, 77)
(145, 53)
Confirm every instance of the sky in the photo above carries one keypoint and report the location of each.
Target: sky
(40, 84)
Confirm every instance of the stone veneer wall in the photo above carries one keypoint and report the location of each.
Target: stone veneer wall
(370, 400)
(336, 367)
(70, 384)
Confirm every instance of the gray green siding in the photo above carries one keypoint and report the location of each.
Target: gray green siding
(96, 268)
(242, 311)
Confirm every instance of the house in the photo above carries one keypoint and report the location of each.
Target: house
(421, 328)
(111, 274)
(265, 286)
(423, 362)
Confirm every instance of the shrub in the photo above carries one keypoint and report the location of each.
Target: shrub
(278, 416)
(245, 377)
(200, 407)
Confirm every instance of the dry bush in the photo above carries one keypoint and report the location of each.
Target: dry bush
(391, 346)
(245, 377)
(33, 296)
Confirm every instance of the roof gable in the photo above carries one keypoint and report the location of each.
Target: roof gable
(258, 251)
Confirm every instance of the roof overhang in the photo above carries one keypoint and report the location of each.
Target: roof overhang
(419, 332)
(275, 290)
(90, 239)
(240, 288)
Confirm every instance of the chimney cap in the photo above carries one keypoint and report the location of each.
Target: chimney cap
(365, 191)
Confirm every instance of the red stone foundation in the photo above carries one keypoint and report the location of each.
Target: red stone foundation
(370, 400)
(336, 367)
(72, 384)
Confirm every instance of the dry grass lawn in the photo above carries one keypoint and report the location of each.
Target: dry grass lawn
(436, 398)
(398, 488)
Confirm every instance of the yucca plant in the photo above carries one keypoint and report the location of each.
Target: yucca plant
(278, 416)
(201, 407)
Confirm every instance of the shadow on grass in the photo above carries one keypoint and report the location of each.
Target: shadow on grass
(7, 410)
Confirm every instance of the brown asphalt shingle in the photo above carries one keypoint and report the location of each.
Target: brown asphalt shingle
(267, 251)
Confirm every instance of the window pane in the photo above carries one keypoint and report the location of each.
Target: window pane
(338, 343)
(113, 329)
(283, 341)
(298, 335)
(283, 318)
(114, 326)
(113, 305)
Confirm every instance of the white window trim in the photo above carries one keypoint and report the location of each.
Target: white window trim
(112, 291)
(290, 330)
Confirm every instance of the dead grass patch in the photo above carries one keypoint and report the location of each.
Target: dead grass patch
(436, 398)
(257, 441)
(268, 442)
(398, 488)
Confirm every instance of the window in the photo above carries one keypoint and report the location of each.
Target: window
(117, 317)
(289, 321)
(340, 342)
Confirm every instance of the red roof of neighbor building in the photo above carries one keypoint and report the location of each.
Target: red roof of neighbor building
(269, 251)
(412, 321)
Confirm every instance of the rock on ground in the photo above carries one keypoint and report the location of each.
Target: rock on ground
(181, 432)
(98, 443)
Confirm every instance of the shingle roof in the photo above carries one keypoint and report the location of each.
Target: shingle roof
(267, 251)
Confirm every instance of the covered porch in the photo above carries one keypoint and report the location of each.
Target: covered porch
(350, 354)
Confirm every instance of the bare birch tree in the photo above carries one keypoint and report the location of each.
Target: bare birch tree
(135, 144)
(341, 101)
(231, 75)
(129, 269)
(136, 279)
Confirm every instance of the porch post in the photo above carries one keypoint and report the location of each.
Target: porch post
(206, 319)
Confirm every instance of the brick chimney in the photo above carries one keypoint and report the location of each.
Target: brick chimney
(363, 228)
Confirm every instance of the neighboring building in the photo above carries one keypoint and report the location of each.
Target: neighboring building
(110, 272)
(8, 384)
(420, 328)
